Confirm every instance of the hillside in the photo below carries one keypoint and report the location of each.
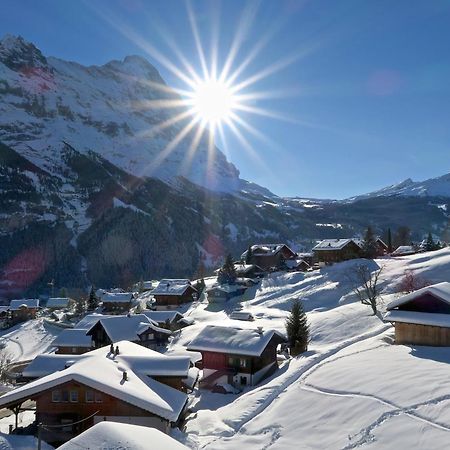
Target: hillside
(92, 191)
(352, 389)
(349, 389)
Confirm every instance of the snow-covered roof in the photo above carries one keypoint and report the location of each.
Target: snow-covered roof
(28, 302)
(266, 249)
(232, 340)
(147, 285)
(117, 297)
(46, 364)
(420, 318)
(227, 288)
(58, 302)
(163, 316)
(115, 435)
(172, 287)
(246, 268)
(4, 308)
(404, 250)
(439, 290)
(293, 263)
(102, 371)
(332, 244)
(73, 337)
(128, 327)
(87, 321)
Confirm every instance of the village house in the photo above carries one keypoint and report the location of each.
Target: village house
(117, 302)
(248, 271)
(170, 320)
(23, 310)
(297, 265)
(55, 303)
(72, 341)
(134, 385)
(171, 293)
(404, 250)
(236, 356)
(336, 250)
(137, 328)
(422, 317)
(219, 293)
(143, 286)
(112, 435)
(268, 256)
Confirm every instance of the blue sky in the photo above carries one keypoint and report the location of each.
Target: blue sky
(365, 99)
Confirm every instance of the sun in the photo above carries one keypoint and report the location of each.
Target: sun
(212, 102)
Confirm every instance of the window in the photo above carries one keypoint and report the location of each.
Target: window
(74, 396)
(74, 350)
(98, 397)
(242, 362)
(56, 396)
(89, 396)
(65, 396)
(243, 381)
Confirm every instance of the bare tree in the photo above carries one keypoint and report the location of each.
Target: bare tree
(5, 361)
(364, 283)
(411, 282)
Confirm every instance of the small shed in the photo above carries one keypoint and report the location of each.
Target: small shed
(224, 292)
(422, 317)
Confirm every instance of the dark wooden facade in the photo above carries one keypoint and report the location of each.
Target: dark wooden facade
(22, 314)
(77, 401)
(350, 251)
(148, 338)
(116, 307)
(173, 301)
(73, 350)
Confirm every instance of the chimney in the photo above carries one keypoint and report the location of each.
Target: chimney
(259, 330)
(124, 375)
(116, 352)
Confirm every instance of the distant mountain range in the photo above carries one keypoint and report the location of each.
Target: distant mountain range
(433, 187)
(90, 192)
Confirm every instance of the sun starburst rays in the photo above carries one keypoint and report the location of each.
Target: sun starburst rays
(213, 100)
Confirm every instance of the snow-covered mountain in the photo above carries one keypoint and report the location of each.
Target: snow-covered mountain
(114, 110)
(433, 187)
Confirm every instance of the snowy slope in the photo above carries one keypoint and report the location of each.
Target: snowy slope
(352, 389)
(112, 110)
(433, 187)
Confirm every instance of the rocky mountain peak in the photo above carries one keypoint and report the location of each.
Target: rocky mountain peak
(20, 55)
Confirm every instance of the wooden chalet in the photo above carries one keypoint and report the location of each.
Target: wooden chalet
(224, 292)
(137, 328)
(422, 317)
(134, 386)
(404, 250)
(170, 320)
(336, 250)
(269, 256)
(23, 310)
(249, 271)
(72, 341)
(117, 302)
(236, 356)
(54, 303)
(297, 265)
(171, 293)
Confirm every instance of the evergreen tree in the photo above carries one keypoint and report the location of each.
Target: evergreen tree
(249, 255)
(92, 301)
(389, 241)
(141, 286)
(63, 293)
(227, 273)
(80, 306)
(430, 244)
(369, 248)
(297, 328)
